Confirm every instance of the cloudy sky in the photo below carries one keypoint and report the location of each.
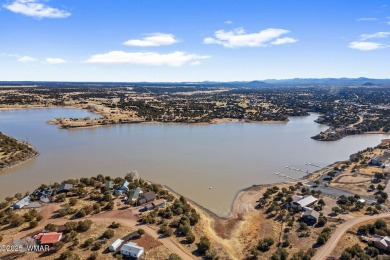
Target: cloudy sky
(193, 40)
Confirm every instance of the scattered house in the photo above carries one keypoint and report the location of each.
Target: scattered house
(21, 203)
(378, 160)
(156, 204)
(381, 242)
(134, 194)
(301, 202)
(159, 203)
(131, 249)
(146, 197)
(44, 195)
(123, 187)
(48, 238)
(115, 245)
(310, 216)
(65, 187)
(109, 184)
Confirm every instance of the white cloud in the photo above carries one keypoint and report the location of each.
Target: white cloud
(375, 35)
(239, 38)
(26, 59)
(366, 46)
(55, 61)
(195, 63)
(284, 41)
(228, 22)
(365, 19)
(174, 59)
(155, 39)
(35, 9)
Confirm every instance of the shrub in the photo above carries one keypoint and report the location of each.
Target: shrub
(16, 221)
(265, 244)
(109, 233)
(59, 245)
(33, 224)
(51, 227)
(87, 243)
(174, 257)
(72, 201)
(81, 213)
(115, 225)
(203, 245)
(190, 238)
(141, 232)
(83, 226)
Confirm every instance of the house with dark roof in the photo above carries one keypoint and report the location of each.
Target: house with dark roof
(146, 198)
(134, 194)
(378, 160)
(65, 187)
(381, 242)
(310, 216)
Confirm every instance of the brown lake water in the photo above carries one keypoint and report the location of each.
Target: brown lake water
(187, 158)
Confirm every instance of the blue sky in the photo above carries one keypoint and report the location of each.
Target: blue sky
(193, 40)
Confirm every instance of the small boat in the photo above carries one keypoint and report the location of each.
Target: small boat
(210, 188)
(277, 173)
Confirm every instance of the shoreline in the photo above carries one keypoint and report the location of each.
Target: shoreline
(18, 164)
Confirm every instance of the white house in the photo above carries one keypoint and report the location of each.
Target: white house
(301, 202)
(115, 245)
(131, 249)
(21, 203)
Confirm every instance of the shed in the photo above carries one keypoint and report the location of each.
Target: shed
(115, 245)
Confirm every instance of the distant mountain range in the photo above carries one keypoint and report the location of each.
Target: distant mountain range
(245, 84)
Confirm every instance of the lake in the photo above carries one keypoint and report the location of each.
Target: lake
(190, 159)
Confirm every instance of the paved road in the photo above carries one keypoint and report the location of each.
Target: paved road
(327, 249)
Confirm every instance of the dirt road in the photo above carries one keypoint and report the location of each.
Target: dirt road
(327, 249)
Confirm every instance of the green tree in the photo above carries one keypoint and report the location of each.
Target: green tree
(203, 245)
(190, 238)
(265, 244)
